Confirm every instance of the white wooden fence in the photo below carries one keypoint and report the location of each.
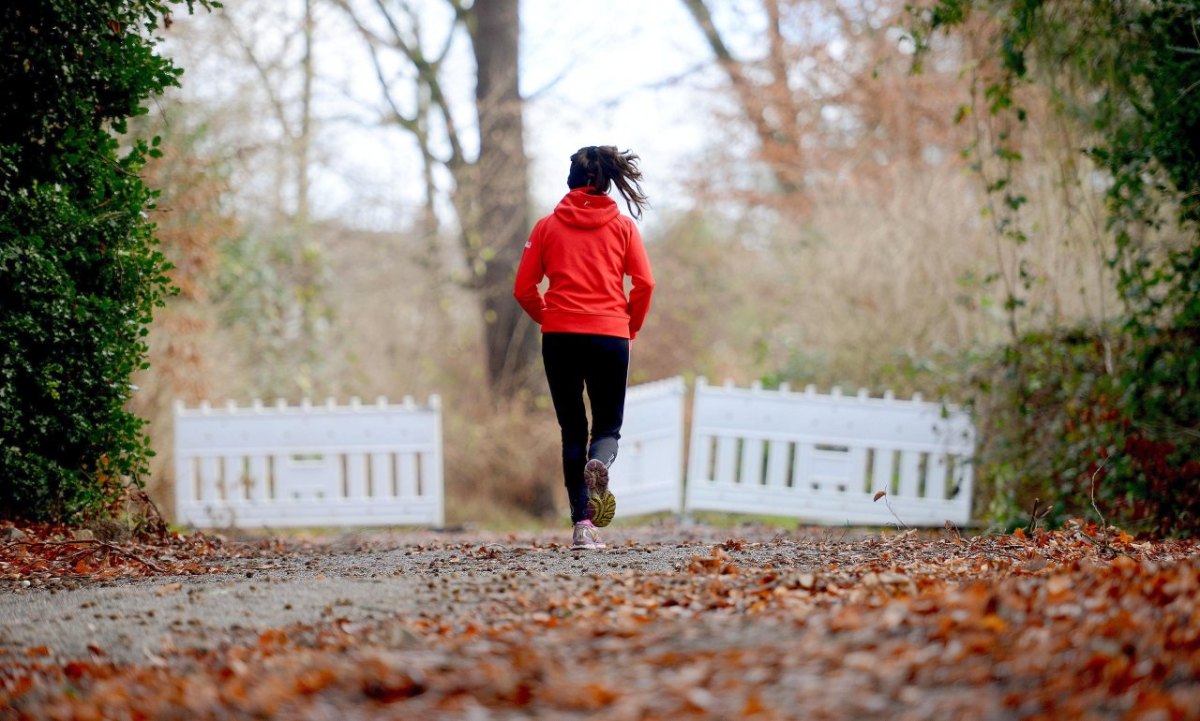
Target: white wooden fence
(309, 466)
(823, 457)
(647, 476)
(816, 457)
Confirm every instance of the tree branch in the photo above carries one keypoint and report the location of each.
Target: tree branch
(397, 116)
(264, 76)
(103, 544)
(427, 73)
(748, 93)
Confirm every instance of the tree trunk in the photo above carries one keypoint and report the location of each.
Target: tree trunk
(304, 141)
(503, 204)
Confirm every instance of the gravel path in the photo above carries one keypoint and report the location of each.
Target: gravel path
(354, 578)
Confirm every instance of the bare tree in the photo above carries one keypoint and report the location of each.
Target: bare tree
(294, 157)
(503, 189)
(274, 291)
(768, 105)
(304, 141)
(490, 194)
(829, 94)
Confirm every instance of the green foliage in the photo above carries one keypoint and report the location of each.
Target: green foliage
(79, 274)
(1058, 434)
(1129, 74)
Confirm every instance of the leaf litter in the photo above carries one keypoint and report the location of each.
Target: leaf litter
(1081, 622)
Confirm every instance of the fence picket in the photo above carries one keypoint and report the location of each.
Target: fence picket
(381, 476)
(727, 461)
(910, 467)
(751, 471)
(881, 471)
(777, 463)
(208, 479)
(356, 476)
(935, 476)
(257, 476)
(406, 472)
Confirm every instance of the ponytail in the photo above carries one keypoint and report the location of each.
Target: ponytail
(599, 167)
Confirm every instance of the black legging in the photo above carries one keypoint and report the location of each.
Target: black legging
(601, 364)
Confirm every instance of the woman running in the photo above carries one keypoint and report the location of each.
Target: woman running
(586, 248)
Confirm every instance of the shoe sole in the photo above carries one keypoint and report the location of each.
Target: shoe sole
(588, 547)
(602, 504)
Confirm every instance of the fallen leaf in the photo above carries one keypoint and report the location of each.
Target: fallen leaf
(1034, 564)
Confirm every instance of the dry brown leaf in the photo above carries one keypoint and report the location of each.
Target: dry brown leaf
(1034, 564)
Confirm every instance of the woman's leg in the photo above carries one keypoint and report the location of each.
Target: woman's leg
(606, 375)
(564, 360)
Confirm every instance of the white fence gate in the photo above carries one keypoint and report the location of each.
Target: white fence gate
(647, 476)
(823, 457)
(309, 466)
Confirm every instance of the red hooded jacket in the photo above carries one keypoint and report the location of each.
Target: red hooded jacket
(586, 248)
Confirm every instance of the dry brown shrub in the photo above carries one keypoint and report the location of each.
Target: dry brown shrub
(865, 289)
(503, 465)
(183, 343)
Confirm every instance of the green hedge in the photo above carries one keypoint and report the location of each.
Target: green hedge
(79, 274)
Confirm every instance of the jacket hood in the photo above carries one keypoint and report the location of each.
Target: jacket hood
(582, 209)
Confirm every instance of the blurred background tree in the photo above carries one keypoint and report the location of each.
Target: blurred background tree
(490, 192)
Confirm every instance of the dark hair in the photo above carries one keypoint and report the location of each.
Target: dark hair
(599, 167)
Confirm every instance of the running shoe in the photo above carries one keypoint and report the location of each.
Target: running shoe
(602, 506)
(585, 538)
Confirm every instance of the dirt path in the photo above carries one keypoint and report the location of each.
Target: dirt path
(668, 622)
(353, 578)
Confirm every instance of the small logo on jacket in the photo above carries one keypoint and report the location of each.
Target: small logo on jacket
(529, 244)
